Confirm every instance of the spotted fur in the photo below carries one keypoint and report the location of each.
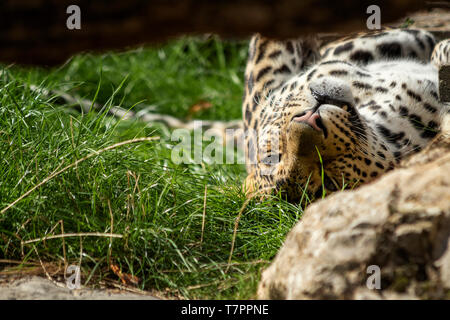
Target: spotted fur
(368, 102)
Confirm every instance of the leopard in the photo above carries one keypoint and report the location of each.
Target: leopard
(319, 118)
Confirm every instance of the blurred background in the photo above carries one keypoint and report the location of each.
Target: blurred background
(35, 31)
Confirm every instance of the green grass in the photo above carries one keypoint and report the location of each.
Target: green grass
(133, 190)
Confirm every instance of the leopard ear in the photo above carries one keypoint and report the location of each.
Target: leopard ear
(310, 50)
(272, 62)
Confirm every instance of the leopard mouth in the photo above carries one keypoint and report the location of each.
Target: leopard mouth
(320, 124)
(351, 110)
(353, 115)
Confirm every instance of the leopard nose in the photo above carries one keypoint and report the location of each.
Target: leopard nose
(311, 118)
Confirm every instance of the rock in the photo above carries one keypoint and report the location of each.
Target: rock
(399, 223)
(37, 288)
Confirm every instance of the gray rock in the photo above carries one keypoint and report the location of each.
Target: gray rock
(37, 288)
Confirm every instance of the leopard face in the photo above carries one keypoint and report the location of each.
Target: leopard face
(314, 139)
(338, 122)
